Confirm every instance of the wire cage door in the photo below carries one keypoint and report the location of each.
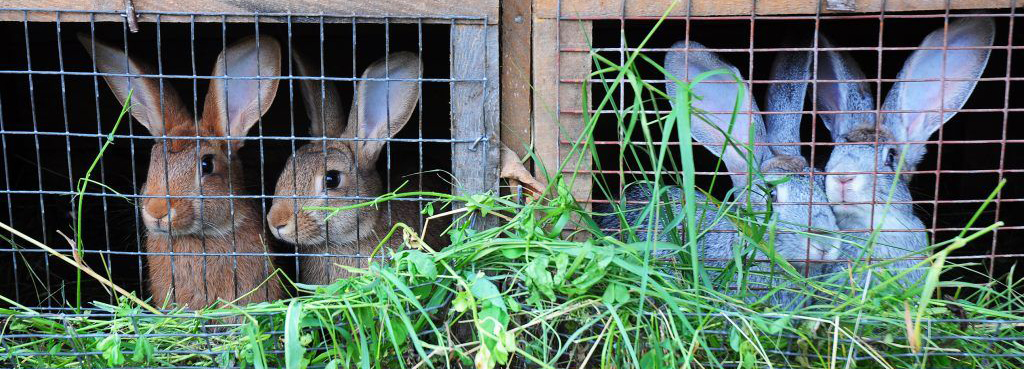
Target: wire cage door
(58, 116)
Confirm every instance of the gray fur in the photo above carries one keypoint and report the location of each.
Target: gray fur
(787, 97)
(791, 209)
(856, 209)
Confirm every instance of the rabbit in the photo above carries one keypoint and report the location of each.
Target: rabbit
(793, 213)
(194, 167)
(857, 196)
(379, 111)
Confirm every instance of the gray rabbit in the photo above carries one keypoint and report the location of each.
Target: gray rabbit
(803, 226)
(911, 113)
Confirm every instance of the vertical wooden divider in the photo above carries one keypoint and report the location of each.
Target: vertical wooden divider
(557, 99)
(475, 111)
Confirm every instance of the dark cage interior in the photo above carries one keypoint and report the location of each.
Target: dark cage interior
(979, 145)
(55, 114)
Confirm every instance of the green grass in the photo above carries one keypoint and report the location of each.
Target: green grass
(547, 288)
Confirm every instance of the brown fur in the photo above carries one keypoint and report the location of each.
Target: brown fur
(784, 163)
(349, 236)
(868, 134)
(180, 230)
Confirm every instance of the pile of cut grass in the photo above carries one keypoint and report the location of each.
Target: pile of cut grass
(524, 295)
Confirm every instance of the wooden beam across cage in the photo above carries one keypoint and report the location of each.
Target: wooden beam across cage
(429, 11)
(584, 9)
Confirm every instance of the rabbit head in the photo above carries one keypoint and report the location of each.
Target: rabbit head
(337, 173)
(931, 80)
(796, 199)
(180, 167)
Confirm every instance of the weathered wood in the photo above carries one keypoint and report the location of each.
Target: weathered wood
(656, 8)
(440, 9)
(516, 33)
(475, 114)
(551, 99)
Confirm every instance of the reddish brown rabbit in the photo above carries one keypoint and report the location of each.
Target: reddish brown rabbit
(182, 228)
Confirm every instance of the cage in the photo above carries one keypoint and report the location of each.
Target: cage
(966, 157)
(58, 111)
(575, 43)
(548, 53)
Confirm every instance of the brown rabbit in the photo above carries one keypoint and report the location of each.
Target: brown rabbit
(349, 176)
(181, 230)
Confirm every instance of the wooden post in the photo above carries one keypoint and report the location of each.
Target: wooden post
(474, 94)
(552, 98)
(516, 113)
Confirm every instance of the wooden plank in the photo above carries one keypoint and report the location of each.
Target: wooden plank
(550, 97)
(656, 8)
(475, 111)
(516, 33)
(397, 8)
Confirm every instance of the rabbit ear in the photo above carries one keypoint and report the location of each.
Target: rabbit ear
(156, 107)
(921, 99)
(321, 99)
(842, 96)
(787, 97)
(717, 95)
(234, 105)
(381, 108)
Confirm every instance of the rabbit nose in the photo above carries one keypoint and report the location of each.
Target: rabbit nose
(160, 215)
(844, 179)
(280, 217)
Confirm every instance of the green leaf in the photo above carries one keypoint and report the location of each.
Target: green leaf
(483, 358)
(424, 264)
(747, 355)
(399, 331)
(293, 350)
(484, 290)
(513, 253)
(492, 323)
(461, 302)
(143, 351)
(651, 360)
(539, 279)
(735, 339)
(111, 347)
(561, 265)
(513, 305)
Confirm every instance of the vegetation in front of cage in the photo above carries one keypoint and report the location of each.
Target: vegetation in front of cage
(523, 294)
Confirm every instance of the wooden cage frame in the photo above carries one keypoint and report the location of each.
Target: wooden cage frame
(531, 63)
(474, 54)
(560, 52)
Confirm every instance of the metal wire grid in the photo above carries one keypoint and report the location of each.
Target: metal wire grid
(620, 28)
(13, 132)
(871, 333)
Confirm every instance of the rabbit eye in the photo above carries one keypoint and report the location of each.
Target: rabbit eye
(332, 179)
(890, 158)
(206, 164)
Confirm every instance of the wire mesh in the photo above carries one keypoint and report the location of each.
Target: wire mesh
(56, 113)
(965, 159)
(46, 150)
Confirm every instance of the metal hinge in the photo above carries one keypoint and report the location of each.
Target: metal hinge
(129, 12)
